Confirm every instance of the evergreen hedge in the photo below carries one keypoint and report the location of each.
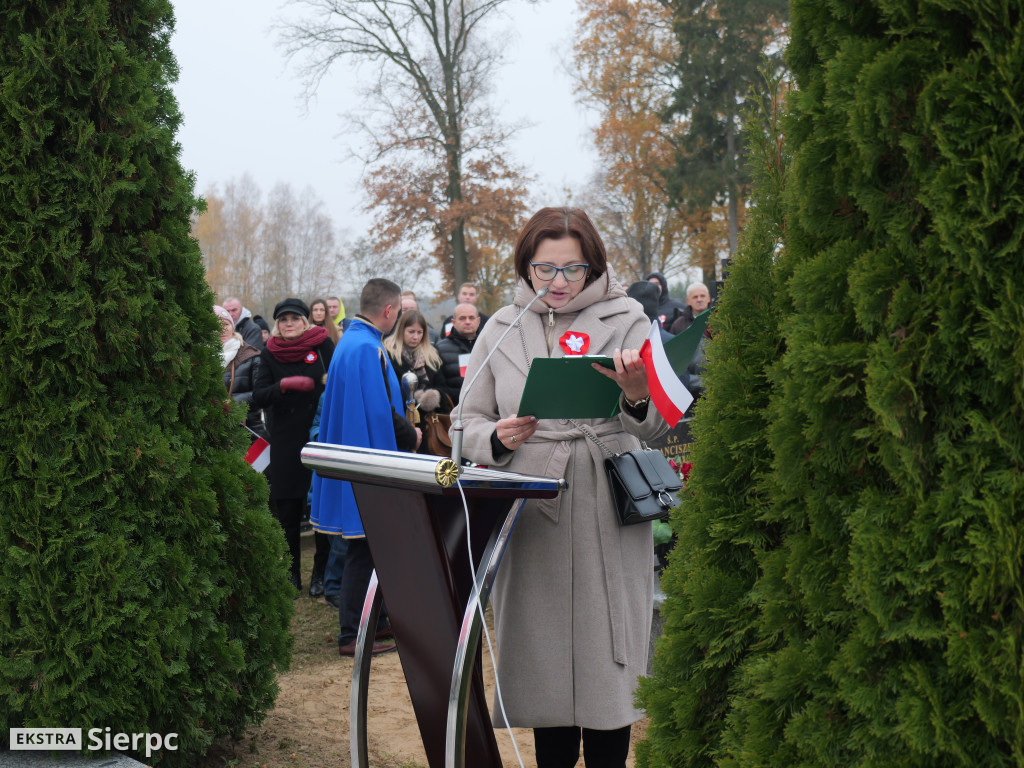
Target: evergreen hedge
(878, 622)
(710, 614)
(142, 580)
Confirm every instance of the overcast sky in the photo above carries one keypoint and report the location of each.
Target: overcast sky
(242, 111)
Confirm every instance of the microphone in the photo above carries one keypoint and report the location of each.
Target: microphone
(457, 426)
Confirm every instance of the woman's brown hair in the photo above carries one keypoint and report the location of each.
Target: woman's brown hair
(554, 224)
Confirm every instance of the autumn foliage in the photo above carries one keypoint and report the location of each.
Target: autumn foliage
(414, 217)
(624, 56)
(262, 250)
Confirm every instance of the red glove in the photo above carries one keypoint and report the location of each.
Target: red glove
(297, 384)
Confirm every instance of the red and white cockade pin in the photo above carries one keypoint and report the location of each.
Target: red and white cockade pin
(311, 356)
(574, 342)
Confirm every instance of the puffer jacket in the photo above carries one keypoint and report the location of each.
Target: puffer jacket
(449, 348)
(240, 379)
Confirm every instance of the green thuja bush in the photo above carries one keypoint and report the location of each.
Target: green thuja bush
(711, 617)
(142, 585)
(883, 624)
(898, 426)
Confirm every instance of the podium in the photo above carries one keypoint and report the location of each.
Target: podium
(416, 527)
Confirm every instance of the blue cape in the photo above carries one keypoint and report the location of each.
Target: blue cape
(356, 412)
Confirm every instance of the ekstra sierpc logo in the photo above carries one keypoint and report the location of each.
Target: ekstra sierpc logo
(100, 739)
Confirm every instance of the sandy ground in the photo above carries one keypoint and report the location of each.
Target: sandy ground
(317, 700)
(308, 727)
(314, 702)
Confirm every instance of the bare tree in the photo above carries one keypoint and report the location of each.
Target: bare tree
(361, 261)
(228, 234)
(263, 251)
(298, 237)
(642, 234)
(427, 114)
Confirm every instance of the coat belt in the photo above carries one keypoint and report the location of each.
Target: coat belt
(607, 527)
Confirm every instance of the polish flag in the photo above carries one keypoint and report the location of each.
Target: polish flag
(258, 454)
(463, 364)
(669, 395)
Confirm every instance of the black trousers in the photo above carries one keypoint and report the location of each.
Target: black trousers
(323, 550)
(354, 581)
(288, 513)
(560, 747)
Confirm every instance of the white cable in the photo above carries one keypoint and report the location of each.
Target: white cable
(483, 623)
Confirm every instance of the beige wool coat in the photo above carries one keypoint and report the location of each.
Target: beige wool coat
(573, 596)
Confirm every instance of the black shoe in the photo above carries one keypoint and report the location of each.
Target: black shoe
(333, 600)
(316, 587)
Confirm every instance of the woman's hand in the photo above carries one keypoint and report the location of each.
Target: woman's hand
(629, 373)
(515, 430)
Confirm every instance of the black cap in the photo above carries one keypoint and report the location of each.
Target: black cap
(260, 322)
(298, 306)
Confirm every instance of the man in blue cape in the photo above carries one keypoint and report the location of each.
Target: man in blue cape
(362, 407)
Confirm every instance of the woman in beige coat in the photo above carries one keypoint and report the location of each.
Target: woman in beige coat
(573, 598)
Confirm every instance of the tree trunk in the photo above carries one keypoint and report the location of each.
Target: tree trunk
(453, 146)
(460, 269)
(646, 259)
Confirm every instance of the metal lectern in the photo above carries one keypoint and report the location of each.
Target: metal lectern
(415, 525)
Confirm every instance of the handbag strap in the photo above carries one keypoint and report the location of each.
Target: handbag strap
(590, 434)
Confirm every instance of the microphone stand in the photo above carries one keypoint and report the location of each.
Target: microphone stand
(457, 426)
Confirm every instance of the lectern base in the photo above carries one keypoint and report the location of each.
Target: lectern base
(425, 550)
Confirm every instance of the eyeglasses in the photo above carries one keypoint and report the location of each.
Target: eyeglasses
(573, 272)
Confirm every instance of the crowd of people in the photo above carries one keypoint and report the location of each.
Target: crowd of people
(573, 599)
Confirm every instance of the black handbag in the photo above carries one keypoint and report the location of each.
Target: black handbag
(644, 485)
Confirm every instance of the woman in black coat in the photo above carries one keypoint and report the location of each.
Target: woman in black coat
(290, 379)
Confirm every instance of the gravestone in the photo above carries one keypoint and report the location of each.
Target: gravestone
(675, 443)
(27, 759)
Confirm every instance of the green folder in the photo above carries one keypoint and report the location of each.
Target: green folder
(569, 388)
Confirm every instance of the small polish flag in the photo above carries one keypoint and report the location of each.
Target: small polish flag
(669, 395)
(258, 454)
(463, 363)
